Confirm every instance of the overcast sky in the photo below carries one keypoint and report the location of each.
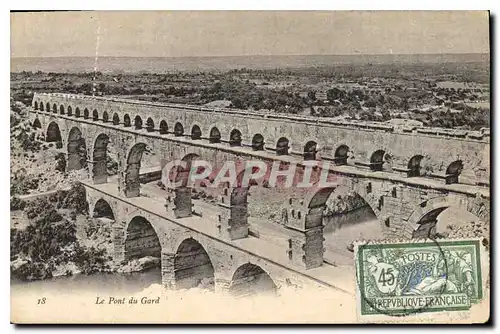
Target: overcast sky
(165, 34)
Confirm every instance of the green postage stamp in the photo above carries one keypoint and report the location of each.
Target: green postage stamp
(403, 278)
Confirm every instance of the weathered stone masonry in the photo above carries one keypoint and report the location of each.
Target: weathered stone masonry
(439, 147)
(405, 206)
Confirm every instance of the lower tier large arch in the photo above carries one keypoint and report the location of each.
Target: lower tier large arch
(99, 159)
(77, 150)
(102, 209)
(422, 222)
(141, 239)
(132, 184)
(192, 266)
(250, 279)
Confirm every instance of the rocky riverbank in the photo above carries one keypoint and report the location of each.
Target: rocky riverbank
(53, 239)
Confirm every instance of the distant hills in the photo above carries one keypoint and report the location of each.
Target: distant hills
(172, 64)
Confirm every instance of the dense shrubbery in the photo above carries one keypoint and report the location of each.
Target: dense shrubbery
(73, 199)
(61, 162)
(21, 183)
(90, 260)
(50, 240)
(245, 95)
(23, 96)
(44, 245)
(469, 118)
(17, 204)
(29, 141)
(41, 209)
(43, 240)
(15, 119)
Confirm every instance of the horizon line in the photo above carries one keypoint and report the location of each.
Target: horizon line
(263, 55)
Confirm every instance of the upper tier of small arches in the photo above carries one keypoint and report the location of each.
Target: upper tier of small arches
(482, 135)
(379, 160)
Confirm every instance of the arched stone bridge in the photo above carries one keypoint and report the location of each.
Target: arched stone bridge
(366, 143)
(214, 242)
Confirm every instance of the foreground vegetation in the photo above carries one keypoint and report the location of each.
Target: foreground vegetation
(49, 243)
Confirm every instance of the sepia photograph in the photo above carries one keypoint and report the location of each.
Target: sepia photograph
(185, 167)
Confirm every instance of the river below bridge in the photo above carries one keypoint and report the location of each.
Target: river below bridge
(98, 283)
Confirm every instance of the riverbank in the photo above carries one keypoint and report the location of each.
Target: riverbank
(62, 243)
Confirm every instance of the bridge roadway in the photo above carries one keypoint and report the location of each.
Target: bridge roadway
(257, 250)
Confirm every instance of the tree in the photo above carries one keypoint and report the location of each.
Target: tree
(386, 115)
(335, 94)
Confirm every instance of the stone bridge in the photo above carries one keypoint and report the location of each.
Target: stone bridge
(407, 177)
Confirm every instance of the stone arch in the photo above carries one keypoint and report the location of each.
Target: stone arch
(77, 112)
(85, 113)
(126, 121)
(61, 109)
(414, 165)
(214, 135)
(47, 107)
(105, 116)
(103, 209)
(453, 171)
(150, 125)
(377, 160)
(37, 124)
(235, 138)
(163, 127)
(363, 217)
(54, 108)
(193, 266)
(250, 280)
(282, 146)
(36, 105)
(41, 106)
(116, 119)
(310, 150)
(53, 133)
(422, 221)
(99, 159)
(138, 122)
(141, 239)
(132, 184)
(341, 155)
(95, 115)
(77, 150)
(178, 129)
(195, 132)
(70, 111)
(258, 142)
(318, 197)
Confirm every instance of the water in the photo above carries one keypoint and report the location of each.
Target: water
(104, 283)
(341, 231)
